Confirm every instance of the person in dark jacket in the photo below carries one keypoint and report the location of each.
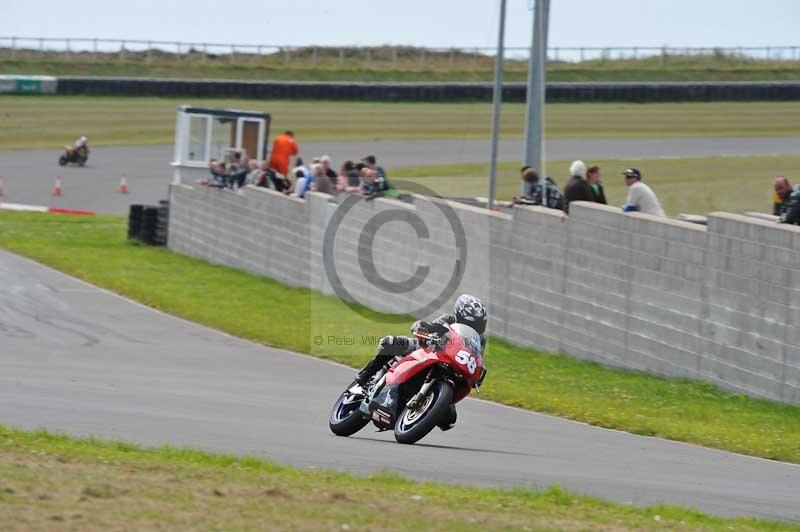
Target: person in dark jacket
(577, 189)
(593, 178)
(532, 191)
(788, 210)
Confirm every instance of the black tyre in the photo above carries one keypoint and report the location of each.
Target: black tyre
(345, 419)
(414, 424)
(62, 161)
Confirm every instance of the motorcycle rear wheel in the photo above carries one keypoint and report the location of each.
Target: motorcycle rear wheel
(345, 418)
(414, 424)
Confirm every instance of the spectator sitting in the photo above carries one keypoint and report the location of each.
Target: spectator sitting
(280, 182)
(299, 165)
(218, 174)
(303, 182)
(532, 193)
(237, 172)
(577, 189)
(253, 174)
(322, 182)
(325, 161)
(788, 210)
(640, 197)
(373, 184)
(349, 179)
(262, 178)
(370, 162)
(593, 178)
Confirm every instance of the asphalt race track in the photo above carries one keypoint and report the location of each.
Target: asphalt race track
(30, 175)
(77, 359)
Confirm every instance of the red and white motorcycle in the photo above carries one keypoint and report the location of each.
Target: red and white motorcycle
(413, 394)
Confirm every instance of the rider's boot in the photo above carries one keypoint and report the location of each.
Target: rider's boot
(389, 347)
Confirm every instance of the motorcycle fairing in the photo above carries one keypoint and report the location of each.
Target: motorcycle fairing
(385, 405)
(411, 365)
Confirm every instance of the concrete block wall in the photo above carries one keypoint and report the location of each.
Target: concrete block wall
(630, 290)
(751, 329)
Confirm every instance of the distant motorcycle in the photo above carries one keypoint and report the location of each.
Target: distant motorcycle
(71, 155)
(413, 394)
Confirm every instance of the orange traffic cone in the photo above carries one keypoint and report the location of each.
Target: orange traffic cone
(57, 188)
(123, 185)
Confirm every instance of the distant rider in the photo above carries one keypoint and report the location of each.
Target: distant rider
(81, 145)
(468, 310)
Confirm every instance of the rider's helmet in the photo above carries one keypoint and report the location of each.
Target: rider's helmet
(471, 311)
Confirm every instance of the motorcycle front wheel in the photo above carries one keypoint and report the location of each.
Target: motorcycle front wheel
(62, 161)
(414, 424)
(345, 419)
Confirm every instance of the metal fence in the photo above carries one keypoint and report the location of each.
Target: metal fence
(151, 51)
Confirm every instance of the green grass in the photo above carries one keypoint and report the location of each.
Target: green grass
(686, 185)
(51, 121)
(50, 481)
(439, 67)
(265, 311)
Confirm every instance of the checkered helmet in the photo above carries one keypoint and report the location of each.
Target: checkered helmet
(471, 311)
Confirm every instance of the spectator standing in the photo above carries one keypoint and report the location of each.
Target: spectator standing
(593, 178)
(283, 148)
(577, 189)
(788, 196)
(532, 190)
(371, 163)
(640, 196)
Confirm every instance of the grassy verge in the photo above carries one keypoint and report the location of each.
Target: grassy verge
(51, 481)
(266, 311)
(686, 185)
(438, 69)
(51, 121)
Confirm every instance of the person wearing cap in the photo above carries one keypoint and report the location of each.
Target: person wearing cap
(577, 188)
(787, 201)
(640, 197)
(370, 162)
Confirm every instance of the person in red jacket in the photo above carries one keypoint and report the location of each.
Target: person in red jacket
(283, 148)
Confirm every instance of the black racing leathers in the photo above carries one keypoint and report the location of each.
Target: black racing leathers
(398, 346)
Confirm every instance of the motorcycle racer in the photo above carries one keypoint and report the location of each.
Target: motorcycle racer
(467, 310)
(82, 144)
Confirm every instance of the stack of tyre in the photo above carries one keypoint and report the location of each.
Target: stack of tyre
(148, 223)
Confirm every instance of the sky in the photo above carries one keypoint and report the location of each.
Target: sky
(431, 23)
